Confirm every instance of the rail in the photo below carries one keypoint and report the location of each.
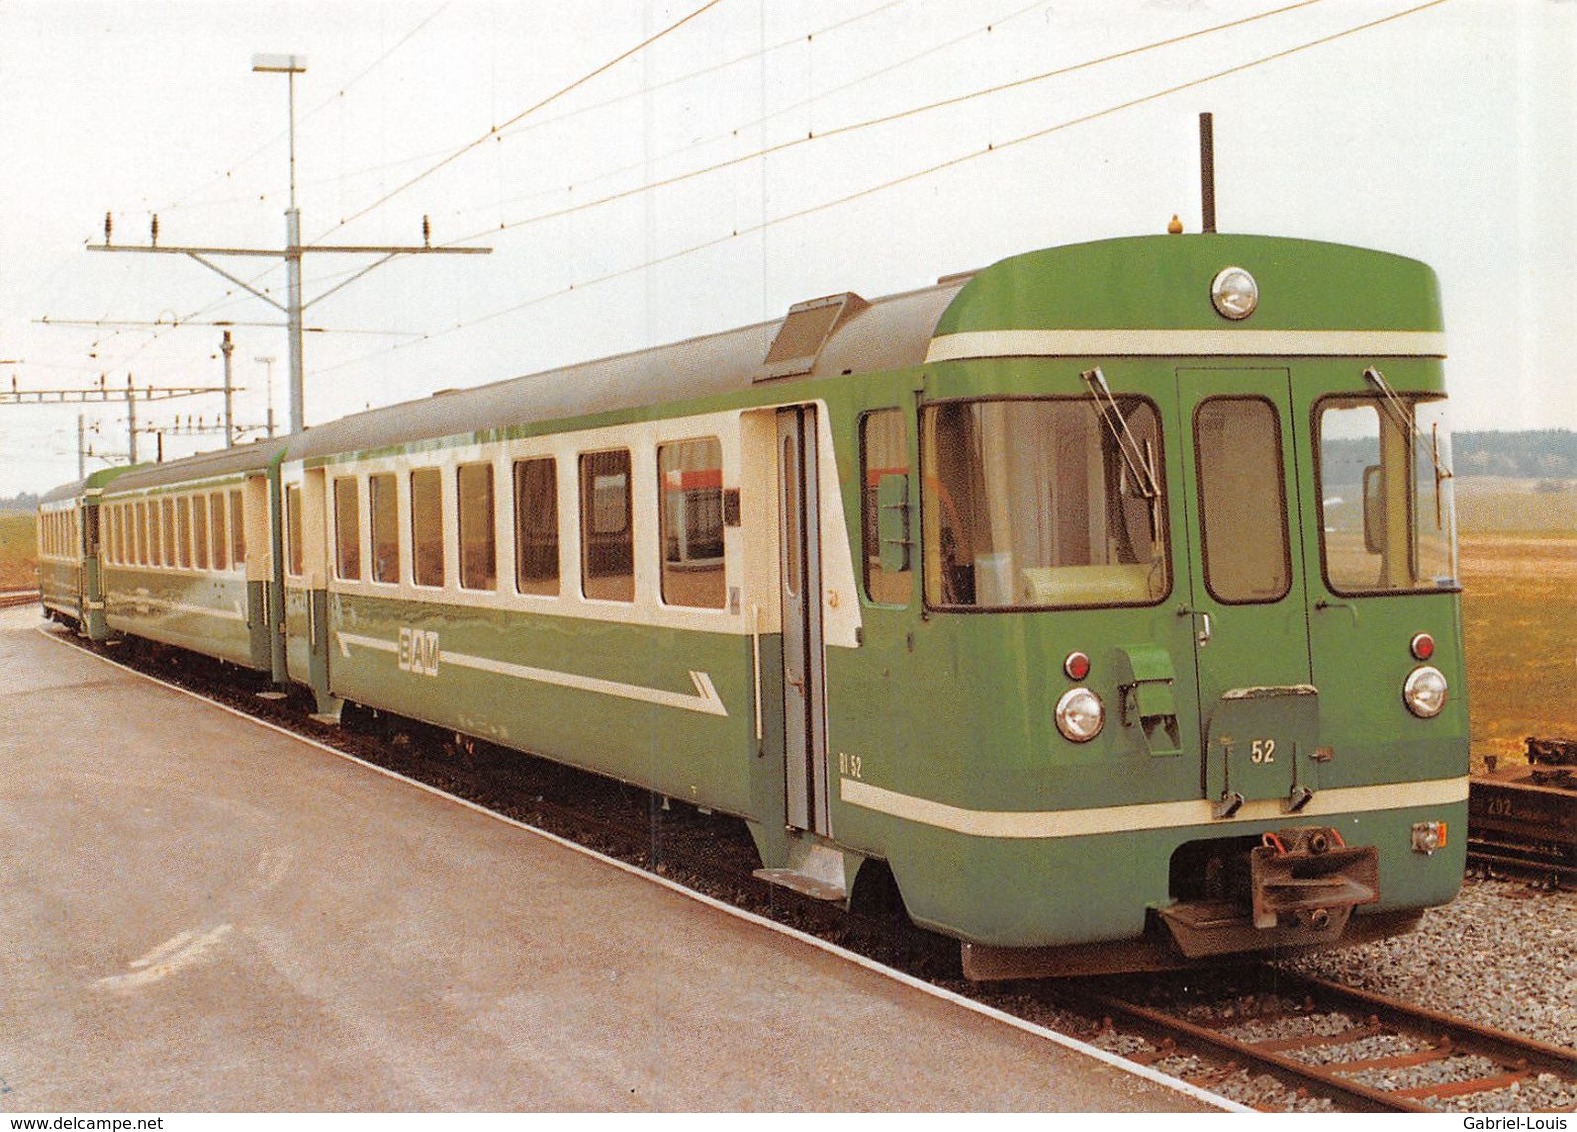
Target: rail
(1309, 1057)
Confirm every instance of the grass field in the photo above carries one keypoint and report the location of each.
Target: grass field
(18, 552)
(1519, 612)
(1519, 607)
(1519, 618)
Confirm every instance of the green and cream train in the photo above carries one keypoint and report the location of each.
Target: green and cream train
(1103, 600)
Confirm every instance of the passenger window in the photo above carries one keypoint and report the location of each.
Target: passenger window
(183, 531)
(427, 527)
(607, 541)
(1242, 500)
(884, 451)
(216, 529)
(478, 542)
(690, 517)
(293, 547)
(167, 530)
(383, 506)
(237, 531)
(347, 529)
(200, 531)
(537, 526)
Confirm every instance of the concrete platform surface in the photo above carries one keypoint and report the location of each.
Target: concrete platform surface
(198, 913)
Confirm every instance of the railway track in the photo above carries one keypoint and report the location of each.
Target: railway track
(10, 598)
(1360, 1051)
(1319, 1041)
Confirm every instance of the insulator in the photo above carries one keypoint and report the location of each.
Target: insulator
(154, 228)
(427, 231)
(109, 226)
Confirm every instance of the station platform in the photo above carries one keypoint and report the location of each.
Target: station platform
(199, 913)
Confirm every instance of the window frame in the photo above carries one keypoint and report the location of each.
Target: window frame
(1355, 398)
(489, 528)
(870, 509)
(922, 534)
(417, 559)
(516, 466)
(342, 559)
(375, 496)
(1199, 495)
(663, 565)
(587, 505)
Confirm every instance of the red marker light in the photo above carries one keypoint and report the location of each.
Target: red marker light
(1423, 646)
(1077, 666)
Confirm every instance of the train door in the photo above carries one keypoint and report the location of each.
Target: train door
(804, 703)
(1247, 609)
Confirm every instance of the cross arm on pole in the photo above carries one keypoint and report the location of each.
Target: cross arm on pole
(201, 256)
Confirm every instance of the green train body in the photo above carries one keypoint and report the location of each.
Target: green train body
(1115, 620)
(69, 566)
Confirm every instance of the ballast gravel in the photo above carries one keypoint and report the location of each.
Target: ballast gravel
(1503, 953)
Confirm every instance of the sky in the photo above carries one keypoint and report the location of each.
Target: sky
(646, 171)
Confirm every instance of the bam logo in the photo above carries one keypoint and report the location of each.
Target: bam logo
(418, 651)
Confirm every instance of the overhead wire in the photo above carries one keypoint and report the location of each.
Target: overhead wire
(882, 120)
(908, 61)
(907, 178)
(492, 133)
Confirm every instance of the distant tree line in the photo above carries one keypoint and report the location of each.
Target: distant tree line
(1543, 454)
(27, 501)
(1548, 453)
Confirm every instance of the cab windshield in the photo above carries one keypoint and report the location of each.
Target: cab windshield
(1044, 503)
(1385, 489)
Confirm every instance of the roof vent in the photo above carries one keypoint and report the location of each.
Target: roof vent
(804, 334)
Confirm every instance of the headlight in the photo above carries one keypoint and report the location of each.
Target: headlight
(1234, 293)
(1425, 692)
(1080, 715)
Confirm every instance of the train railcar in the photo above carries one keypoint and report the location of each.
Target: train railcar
(1104, 599)
(69, 558)
(187, 551)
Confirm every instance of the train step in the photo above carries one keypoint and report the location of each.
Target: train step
(815, 870)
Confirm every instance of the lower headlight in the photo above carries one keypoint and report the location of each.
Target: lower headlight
(1080, 715)
(1425, 692)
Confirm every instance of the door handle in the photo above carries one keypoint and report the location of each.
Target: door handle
(1203, 636)
(796, 681)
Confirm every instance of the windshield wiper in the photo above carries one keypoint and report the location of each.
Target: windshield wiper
(1140, 459)
(1406, 420)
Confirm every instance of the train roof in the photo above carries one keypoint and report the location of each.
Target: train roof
(253, 457)
(837, 334)
(76, 489)
(1159, 283)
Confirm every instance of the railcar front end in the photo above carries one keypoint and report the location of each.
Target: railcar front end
(1186, 676)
